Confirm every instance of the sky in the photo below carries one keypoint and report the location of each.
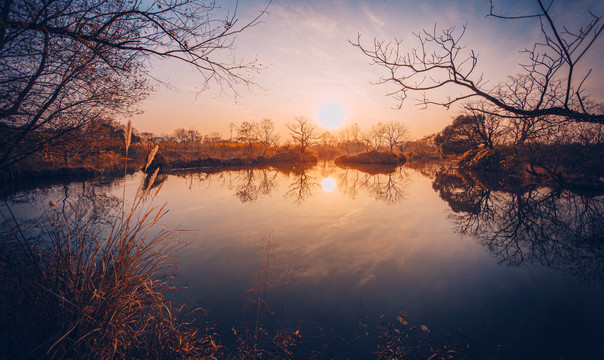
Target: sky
(308, 61)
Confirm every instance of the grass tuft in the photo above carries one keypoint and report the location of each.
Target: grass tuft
(88, 292)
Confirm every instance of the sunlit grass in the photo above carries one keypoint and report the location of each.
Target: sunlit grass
(89, 292)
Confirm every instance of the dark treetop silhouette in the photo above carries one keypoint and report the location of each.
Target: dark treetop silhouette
(65, 63)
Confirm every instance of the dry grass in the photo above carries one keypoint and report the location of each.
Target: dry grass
(401, 340)
(96, 294)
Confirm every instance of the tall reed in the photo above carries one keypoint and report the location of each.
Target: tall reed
(89, 293)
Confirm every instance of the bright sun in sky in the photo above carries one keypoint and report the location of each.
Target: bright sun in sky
(331, 115)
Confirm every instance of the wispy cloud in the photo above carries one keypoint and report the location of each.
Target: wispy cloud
(305, 45)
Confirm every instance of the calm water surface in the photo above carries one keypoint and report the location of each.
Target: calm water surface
(329, 251)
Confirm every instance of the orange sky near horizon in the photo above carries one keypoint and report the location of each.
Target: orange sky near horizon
(308, 62)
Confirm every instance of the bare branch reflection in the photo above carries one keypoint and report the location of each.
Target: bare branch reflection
(251, 183)
(383, 183)
(389, 186)
(350, 182)
(559, 229)
(302, 187)
(86, 207)
(247, 191)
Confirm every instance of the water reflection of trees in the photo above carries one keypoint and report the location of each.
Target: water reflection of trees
(252, 184)
(249, 184)
(428, 169)
(87, 203)
(389, 186)
(301, 187)
(555, 228)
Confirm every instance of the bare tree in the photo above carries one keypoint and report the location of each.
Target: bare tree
(181, 135)
(355, 135)
(212, 138)
(267, 135)
(394, 133)
(344, 138)
(552, 85)
(374, 137)
(328, 139)
(64, 63)
(302, 132)
(247, 133)
(470, 131)
(351, 135)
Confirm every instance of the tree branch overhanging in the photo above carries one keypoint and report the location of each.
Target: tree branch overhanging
(439, 60)
(61, 59)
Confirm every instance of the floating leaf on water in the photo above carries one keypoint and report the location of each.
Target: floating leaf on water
(424, 328)
(401, 320)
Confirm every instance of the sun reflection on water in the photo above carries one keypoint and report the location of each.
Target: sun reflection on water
(328, 184)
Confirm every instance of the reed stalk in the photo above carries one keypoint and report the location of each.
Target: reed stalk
(89, 293)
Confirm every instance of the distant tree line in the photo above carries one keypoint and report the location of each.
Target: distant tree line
(99, 143)
(257, 138)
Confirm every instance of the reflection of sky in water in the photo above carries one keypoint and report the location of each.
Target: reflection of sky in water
(346, 244)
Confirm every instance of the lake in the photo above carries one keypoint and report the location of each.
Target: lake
(340, 257)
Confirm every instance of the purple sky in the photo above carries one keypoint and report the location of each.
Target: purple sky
(309, 62)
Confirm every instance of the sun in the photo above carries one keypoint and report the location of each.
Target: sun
(331, 115)
(328, 184)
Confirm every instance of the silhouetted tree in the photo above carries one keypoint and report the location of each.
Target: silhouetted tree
(93, 144)
(470, 131)
(374, 137)
(302, 132)
(247, 133)
(394, 134)
(267, 135)
(181, 135)
(552, 85)
(65, 63)
(328, 139)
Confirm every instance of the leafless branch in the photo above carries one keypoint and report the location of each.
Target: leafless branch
(439, 60)
(60, 59)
